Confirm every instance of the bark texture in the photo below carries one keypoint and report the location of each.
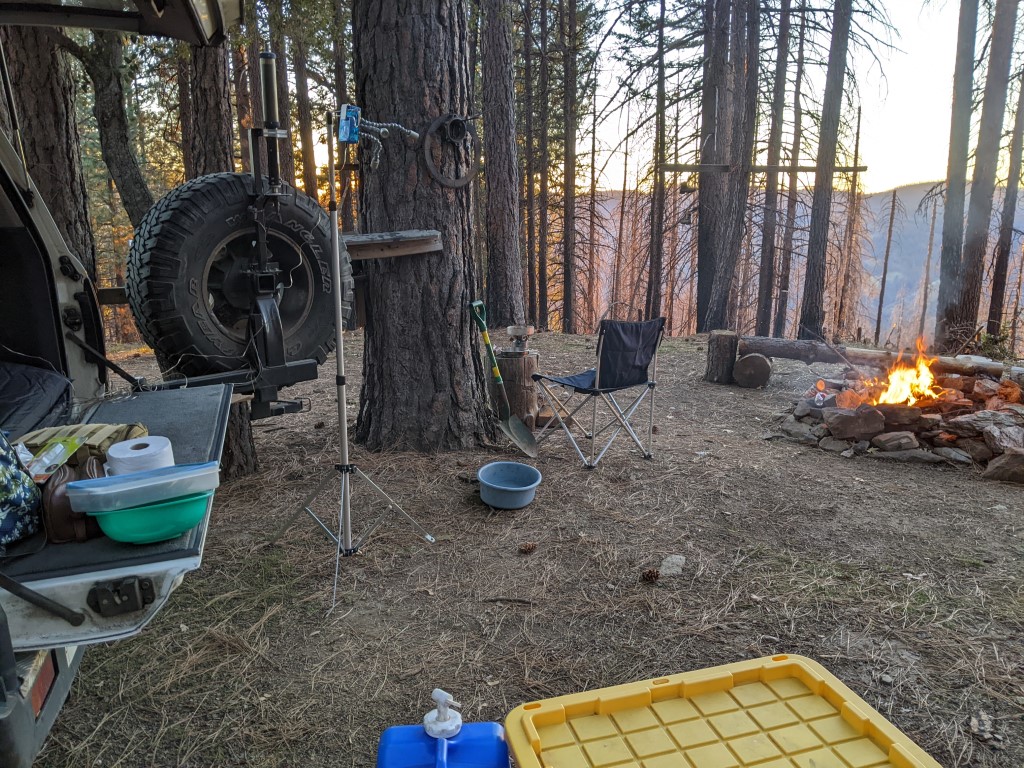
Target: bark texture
(211, 148)
(505, 300)
(103, 62)
(786, 262)
(44, 94)
(743, 63)
(986, 158)
(812, 313)
(424, 383)
(956, 171)
(1002, 259)
(766, 278)
(309, 180)
(569, 107)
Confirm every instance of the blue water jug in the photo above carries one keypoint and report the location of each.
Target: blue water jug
(443, 741)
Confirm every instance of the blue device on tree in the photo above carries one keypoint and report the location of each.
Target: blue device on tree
(348, 124)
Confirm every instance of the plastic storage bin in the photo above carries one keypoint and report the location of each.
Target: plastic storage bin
(108, 494)
(154, 522)
(477, 745)
(782, 711)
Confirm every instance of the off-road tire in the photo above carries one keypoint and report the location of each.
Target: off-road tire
(180, 253)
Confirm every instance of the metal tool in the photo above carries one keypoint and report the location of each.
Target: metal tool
(519, 335)
(509, 423)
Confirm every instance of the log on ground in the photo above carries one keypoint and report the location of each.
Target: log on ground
(752, 371)
(817, 352)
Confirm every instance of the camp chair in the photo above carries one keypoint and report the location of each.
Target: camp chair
(625, 351)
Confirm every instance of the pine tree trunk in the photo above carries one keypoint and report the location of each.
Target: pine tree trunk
(986, 157)
(885, 267)
(568, 44)
(928, 271)
(543, 85)
(103, 62)
(951, 255)
(340, 55)
(812, 314)
(435, 401)
(528, 142)
(592, 258)
(849, 290)
(712, 196)
(1002, 260)
(305, 112)
(44, 95)
(243, 102)
(183, 77)
(505, 301)
(278, 44)
(657, 241)
(766, 277)
(210, 140)
(620, 236)
(786, 262)
(744, 68)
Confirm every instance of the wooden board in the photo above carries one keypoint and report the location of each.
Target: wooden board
(387, 245)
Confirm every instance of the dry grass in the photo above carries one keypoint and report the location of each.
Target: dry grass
(904, 574)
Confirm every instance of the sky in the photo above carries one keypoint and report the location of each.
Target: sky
(906, 105)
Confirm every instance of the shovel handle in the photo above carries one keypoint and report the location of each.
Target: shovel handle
(480, 315)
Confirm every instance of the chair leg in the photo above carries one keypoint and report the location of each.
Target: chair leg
(551, 401)
(593, 434)
(650, 426)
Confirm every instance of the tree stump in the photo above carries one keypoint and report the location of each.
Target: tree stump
(752, 371)
(517, 371)
(721, 357)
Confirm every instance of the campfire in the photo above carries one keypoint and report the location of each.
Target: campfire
(914, 412)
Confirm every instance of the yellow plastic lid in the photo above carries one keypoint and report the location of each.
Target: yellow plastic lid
(776, 712)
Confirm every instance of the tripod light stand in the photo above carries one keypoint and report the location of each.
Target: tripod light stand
(346, 470)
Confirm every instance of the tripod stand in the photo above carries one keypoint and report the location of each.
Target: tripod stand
(346, 470)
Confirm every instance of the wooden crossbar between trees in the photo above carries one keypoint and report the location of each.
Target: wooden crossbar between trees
(726, 167)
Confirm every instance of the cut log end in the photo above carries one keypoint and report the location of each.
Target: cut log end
(721, 357)
(752, 371)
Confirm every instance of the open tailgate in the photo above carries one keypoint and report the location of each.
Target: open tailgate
(195, 421)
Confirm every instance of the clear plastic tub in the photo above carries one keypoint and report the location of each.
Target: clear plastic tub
(108, 494)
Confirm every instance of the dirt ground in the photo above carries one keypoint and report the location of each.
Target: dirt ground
(905, 581)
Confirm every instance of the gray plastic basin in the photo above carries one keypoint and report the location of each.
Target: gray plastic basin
(508, 484)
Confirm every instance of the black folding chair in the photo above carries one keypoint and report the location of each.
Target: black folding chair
(625, 352)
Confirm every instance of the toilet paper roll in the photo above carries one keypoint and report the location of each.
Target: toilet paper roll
(139, 455)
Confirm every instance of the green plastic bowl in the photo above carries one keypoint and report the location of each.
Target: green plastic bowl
(154, 522)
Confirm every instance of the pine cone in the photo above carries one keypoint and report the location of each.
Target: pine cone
(527, 547)
(650, 575)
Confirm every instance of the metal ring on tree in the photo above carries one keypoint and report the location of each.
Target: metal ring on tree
(453, 130)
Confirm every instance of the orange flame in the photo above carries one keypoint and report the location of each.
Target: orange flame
(907, 384)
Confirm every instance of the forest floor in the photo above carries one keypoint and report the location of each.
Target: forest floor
(905, 581)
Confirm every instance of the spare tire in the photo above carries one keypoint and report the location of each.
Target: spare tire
(186, 284)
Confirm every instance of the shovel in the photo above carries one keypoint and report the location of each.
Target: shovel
(510, 424)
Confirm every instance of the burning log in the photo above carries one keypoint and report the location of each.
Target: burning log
(817, 352)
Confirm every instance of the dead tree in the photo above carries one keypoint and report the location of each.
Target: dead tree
(657, 241)
(986, 156)
(956, 172)
(885, 266)
(789, 228)
(766, 278)
(927, 271)
(1002, 256)
(812, 315)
